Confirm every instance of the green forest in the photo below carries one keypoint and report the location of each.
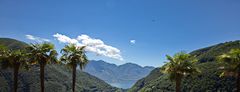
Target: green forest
(37, 68)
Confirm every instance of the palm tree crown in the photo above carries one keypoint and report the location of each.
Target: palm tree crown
(230, 62)
(74, 55)
(10, 58)
(14, 59)
(179, 65)
(43, 53)
(231, 65)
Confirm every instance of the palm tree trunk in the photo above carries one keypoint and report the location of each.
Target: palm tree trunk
(178, 84)
(74, 77)
(238, 82)
(15, 70)
(42, 76)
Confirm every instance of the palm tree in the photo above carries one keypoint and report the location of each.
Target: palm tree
(179, 65)
(13, 59)
(231, 65)
(42, 54)
(73, 56)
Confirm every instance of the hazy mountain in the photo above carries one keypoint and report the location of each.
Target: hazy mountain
(123, 76)
(207, 81)
(57, 77)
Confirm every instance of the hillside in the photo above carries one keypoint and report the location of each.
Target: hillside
(209, 53)
(122, 76)
(57, 77)
(207, 81)
(12, 43)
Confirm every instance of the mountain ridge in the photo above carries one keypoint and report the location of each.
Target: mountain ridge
(122, 76)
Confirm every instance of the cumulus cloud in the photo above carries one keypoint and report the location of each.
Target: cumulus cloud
(65, 39)
(38, 39)
(132, 41)
(92, 45)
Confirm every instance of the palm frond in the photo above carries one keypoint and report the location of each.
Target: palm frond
(43, 53)
(230, 62)
(71, 54)
(179, 65)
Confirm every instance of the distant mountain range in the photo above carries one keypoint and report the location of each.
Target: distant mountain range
(122, 76)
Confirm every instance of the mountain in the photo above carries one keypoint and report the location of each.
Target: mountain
(57, 77)
(207, 81)
(12, 43)
(209, 54)
(122, 76)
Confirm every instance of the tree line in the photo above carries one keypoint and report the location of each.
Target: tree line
(183, 64)
(41, 55)
(177, 67)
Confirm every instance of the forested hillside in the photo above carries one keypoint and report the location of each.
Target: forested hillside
(206, 81)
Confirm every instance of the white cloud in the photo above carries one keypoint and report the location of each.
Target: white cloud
(38, 39)
(93, 45)
(132, 41)
(65, 39)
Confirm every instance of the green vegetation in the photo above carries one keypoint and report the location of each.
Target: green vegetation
(231, 65)
(56, 77)
(180, 65)
(222, 59)
(73, 56)
(206, 81)
(211, 53)
(15, 60)
(42, 54)
(12, 43)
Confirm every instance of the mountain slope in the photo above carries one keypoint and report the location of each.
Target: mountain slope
(57, 77)
(12, 43)
(209, 53)
(208, 80)
(123, 76)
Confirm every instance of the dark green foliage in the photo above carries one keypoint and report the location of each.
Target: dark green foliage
(147, 80)
(57, 77)
(211, 53)
(74, 56)
(206, 81)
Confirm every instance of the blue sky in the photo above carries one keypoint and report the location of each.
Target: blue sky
(159, 27)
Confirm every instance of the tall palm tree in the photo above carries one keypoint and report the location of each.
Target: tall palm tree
(13, 59)
(179, 65)
(73, 56)
(42, 54)
(231, 65)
